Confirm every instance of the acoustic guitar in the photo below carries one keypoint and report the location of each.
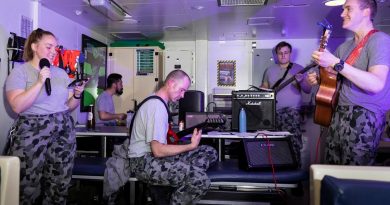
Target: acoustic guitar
(327, 94)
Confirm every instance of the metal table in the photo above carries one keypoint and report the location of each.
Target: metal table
(221, 136)
(103, 132)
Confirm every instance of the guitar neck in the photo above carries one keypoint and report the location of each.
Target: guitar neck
(288, 81)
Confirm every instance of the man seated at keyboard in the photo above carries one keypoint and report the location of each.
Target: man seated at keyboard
(105, 105)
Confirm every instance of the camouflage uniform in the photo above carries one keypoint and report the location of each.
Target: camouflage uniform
(186, 172)
(354, 136)
(46, 146)
(289, 119)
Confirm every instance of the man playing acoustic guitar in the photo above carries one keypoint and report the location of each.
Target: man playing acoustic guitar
(362, 65)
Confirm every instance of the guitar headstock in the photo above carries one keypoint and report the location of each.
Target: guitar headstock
(327, 30)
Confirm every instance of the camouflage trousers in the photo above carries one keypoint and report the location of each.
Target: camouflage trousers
(186, 172)
(354, 136)
(289, 119)
(46, 146)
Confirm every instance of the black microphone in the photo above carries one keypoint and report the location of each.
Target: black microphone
(45, 63)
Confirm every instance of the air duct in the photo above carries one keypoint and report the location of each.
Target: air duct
(108, 8)
(242, 2)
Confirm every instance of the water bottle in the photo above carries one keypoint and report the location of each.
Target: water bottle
(181, 125)
(91, 118)
(242, 120)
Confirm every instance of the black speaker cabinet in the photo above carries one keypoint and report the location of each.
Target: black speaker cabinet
(256, 154)
(259, 108)
(193, 101)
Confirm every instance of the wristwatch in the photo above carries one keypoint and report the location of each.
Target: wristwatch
(339, 66)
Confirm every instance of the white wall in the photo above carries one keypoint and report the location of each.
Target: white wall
(240, 51)
(207, 53)
(68, 33)
(200, 50)
(9, 22)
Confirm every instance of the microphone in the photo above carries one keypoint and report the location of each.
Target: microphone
(45, 63)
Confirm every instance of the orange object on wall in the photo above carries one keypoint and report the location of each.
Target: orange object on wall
(67, 60)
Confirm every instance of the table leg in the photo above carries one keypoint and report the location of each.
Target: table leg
(104, 146)
(132, 192)
(221, 149)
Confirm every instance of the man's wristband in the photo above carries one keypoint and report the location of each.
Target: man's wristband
(75, 97)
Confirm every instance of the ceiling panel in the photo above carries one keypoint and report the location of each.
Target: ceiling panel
(204, 19)
(155, 9)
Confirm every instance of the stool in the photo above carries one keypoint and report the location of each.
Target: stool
(89, 168)
(92, 168)
(161, 195)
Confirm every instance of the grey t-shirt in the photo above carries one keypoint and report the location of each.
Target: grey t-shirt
(25, 76)
(150, 123)
(375, 52)
(105, 103)
(289, 96)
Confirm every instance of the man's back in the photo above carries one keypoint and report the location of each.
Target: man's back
(148, 125)
(105, 103)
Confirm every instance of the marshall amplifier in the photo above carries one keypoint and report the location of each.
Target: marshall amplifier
(259, 108)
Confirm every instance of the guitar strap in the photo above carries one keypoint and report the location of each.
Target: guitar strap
(166, 107)
(353, 56)
(284, 76)
(356, 51)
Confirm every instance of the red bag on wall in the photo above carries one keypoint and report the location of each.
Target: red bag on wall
(67, 60)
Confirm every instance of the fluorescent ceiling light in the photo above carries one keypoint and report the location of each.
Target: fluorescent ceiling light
(108, 8)
(242, 2)
(129, 35)
(173, 28)
(260, 21)
(334, 2)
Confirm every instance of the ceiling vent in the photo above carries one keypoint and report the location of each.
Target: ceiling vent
(108, 8)
(173, 28)
(260, 21)
(129, 35)
(242, 2)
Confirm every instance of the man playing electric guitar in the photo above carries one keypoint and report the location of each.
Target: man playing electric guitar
(288, 98)
(155, 161)
(363, 64)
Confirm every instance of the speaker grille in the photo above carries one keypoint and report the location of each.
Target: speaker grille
(259, 108)
(257, 154)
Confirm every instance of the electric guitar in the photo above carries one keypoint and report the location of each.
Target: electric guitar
(288, 81)
(327, 94)
(210, 123)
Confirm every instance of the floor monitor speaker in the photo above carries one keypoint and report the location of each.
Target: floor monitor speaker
(262, 153)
